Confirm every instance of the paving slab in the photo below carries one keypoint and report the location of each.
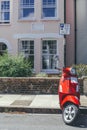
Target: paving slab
(83, 100)
(45, 101)
(6, 99)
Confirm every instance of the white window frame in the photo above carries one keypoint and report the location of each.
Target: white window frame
(23, 51)
(50, 70)
(2, 20)
(26, 6)
(50, 6)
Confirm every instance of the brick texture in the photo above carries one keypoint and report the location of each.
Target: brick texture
(31, 85)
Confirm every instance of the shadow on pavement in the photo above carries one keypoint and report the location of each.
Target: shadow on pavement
(81, 122)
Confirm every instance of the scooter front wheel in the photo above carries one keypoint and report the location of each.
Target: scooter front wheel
(70, 113)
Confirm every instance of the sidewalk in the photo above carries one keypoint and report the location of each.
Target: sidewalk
(34, 103)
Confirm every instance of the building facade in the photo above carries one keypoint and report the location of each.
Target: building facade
(76, 42)
(31, 28)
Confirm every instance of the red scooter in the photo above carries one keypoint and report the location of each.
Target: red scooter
(69, 95)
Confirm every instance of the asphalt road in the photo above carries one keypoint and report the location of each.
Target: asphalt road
(38, 122)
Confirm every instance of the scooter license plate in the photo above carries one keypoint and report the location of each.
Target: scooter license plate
(74, 80)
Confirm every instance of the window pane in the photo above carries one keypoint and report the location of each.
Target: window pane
(49, 2)
(52, 1)
(49, 8)
(5, 5)
(45, 62)
(48, 12)
(32, 2)
(27, 2)
(5, 16)
(26, 8)
(31, 51)
(28, 12)
(44, 2)
(31, 58)
(48, 62)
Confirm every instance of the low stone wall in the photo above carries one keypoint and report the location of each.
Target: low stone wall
(81, 85)
(31, 85)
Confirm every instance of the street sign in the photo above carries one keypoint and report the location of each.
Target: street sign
(64, 29)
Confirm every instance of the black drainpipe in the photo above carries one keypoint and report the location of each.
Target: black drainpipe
(75, 31)
(64, 35)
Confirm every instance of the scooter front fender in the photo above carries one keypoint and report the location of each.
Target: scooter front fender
(70, 98)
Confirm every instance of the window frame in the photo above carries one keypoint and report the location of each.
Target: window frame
(49, 7)
(49, 70)
(26, 48)
(3, 11)
(21, 7)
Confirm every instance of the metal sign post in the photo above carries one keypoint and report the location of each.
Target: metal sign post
(64, 30)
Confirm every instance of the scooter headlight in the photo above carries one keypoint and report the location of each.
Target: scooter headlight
(73, 71)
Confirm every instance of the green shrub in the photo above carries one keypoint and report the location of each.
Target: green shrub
(81, 69)
(11, 66)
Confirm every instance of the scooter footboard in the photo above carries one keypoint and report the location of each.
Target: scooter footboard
(70, 98)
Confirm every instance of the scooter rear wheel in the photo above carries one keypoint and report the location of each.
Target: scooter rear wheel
(70, 113)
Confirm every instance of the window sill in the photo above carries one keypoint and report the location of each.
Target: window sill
(26, 19)
(5, 24)
(50, 71)
(50, 19)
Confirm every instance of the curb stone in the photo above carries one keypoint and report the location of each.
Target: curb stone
(30, 110)
(83, 110)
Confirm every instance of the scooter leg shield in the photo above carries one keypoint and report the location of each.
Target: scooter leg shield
(70, 98)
